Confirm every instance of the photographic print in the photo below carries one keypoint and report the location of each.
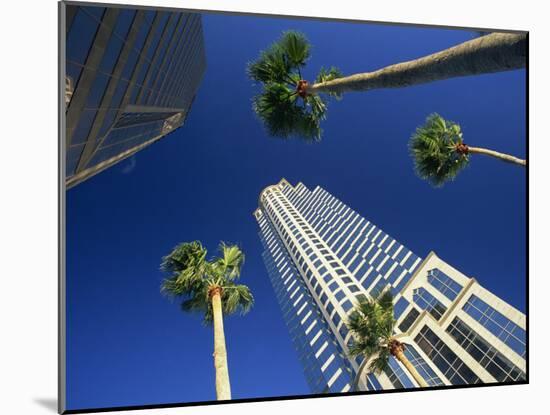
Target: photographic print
(266, 207)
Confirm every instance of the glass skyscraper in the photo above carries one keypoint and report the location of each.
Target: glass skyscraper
(131, 77)
(322, 258)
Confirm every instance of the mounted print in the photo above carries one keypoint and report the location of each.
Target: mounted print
(261, 207)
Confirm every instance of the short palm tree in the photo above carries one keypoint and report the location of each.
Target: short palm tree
(372, 324)
(209, 287)
(291, 106)
(439, 152)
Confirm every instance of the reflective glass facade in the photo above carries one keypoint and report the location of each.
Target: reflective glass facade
(498, 365)
(498, 324)
(445, 359)
(131, 77)
(322, 258)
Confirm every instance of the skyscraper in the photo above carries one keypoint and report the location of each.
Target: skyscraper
(131, 77)
(322, 258)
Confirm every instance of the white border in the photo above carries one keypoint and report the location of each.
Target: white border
(28, 223)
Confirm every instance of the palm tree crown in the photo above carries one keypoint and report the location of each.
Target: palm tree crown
(193, 277)
(372, 324)
(283, 105)
(438, 150)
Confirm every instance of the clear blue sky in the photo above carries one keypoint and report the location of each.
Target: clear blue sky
(128, 345)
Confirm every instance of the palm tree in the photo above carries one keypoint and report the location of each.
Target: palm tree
(209, 286)
(290, 106)
(439, 152)
(372, 325)
(284, 106)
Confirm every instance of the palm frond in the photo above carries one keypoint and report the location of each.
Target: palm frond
(276, 107)
(186, 267)
(433, 149)
(318, 107)
(385, 301)
(183, 256)
(364, 346)
(195, 303)
(236, 298)
(199, 302)
(231, 261)
(191, 277)
(271, 66)
(296, 47)
(371, 323)
(331, 74)
(381, 362)
(279, 106)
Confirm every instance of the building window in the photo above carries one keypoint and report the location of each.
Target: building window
(488, 357)
(422, 366)
(347, 305)
(339, 295)
(428, 302)
(372, 383)
(399, 307)
(378, 288)
(397, 375)
(409, 320)
(343, 331)
(445, 284)
(445, 359)
(507, 331)
(361, 298)
(353, 288)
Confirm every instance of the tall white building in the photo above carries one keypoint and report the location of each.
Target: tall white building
(322, 258)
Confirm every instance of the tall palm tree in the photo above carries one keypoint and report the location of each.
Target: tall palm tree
(284, 106)
(439, 152)
(290, 106)
(210, 287)
(372, 325)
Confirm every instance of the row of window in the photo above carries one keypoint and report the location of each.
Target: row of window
(445, 284)
(428, 302)
(271, 198)
(360, 267)
(294, 310)
(486, 355)
(452, 367)
(317, 349)
(498, 324)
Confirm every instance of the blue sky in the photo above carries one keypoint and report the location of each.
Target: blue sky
(128, 345)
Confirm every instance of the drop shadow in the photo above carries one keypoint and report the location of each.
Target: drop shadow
(48, 403)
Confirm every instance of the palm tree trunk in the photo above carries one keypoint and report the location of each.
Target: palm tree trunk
(223, 388)
(412, 370)
(491, 53)
(501, 156)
